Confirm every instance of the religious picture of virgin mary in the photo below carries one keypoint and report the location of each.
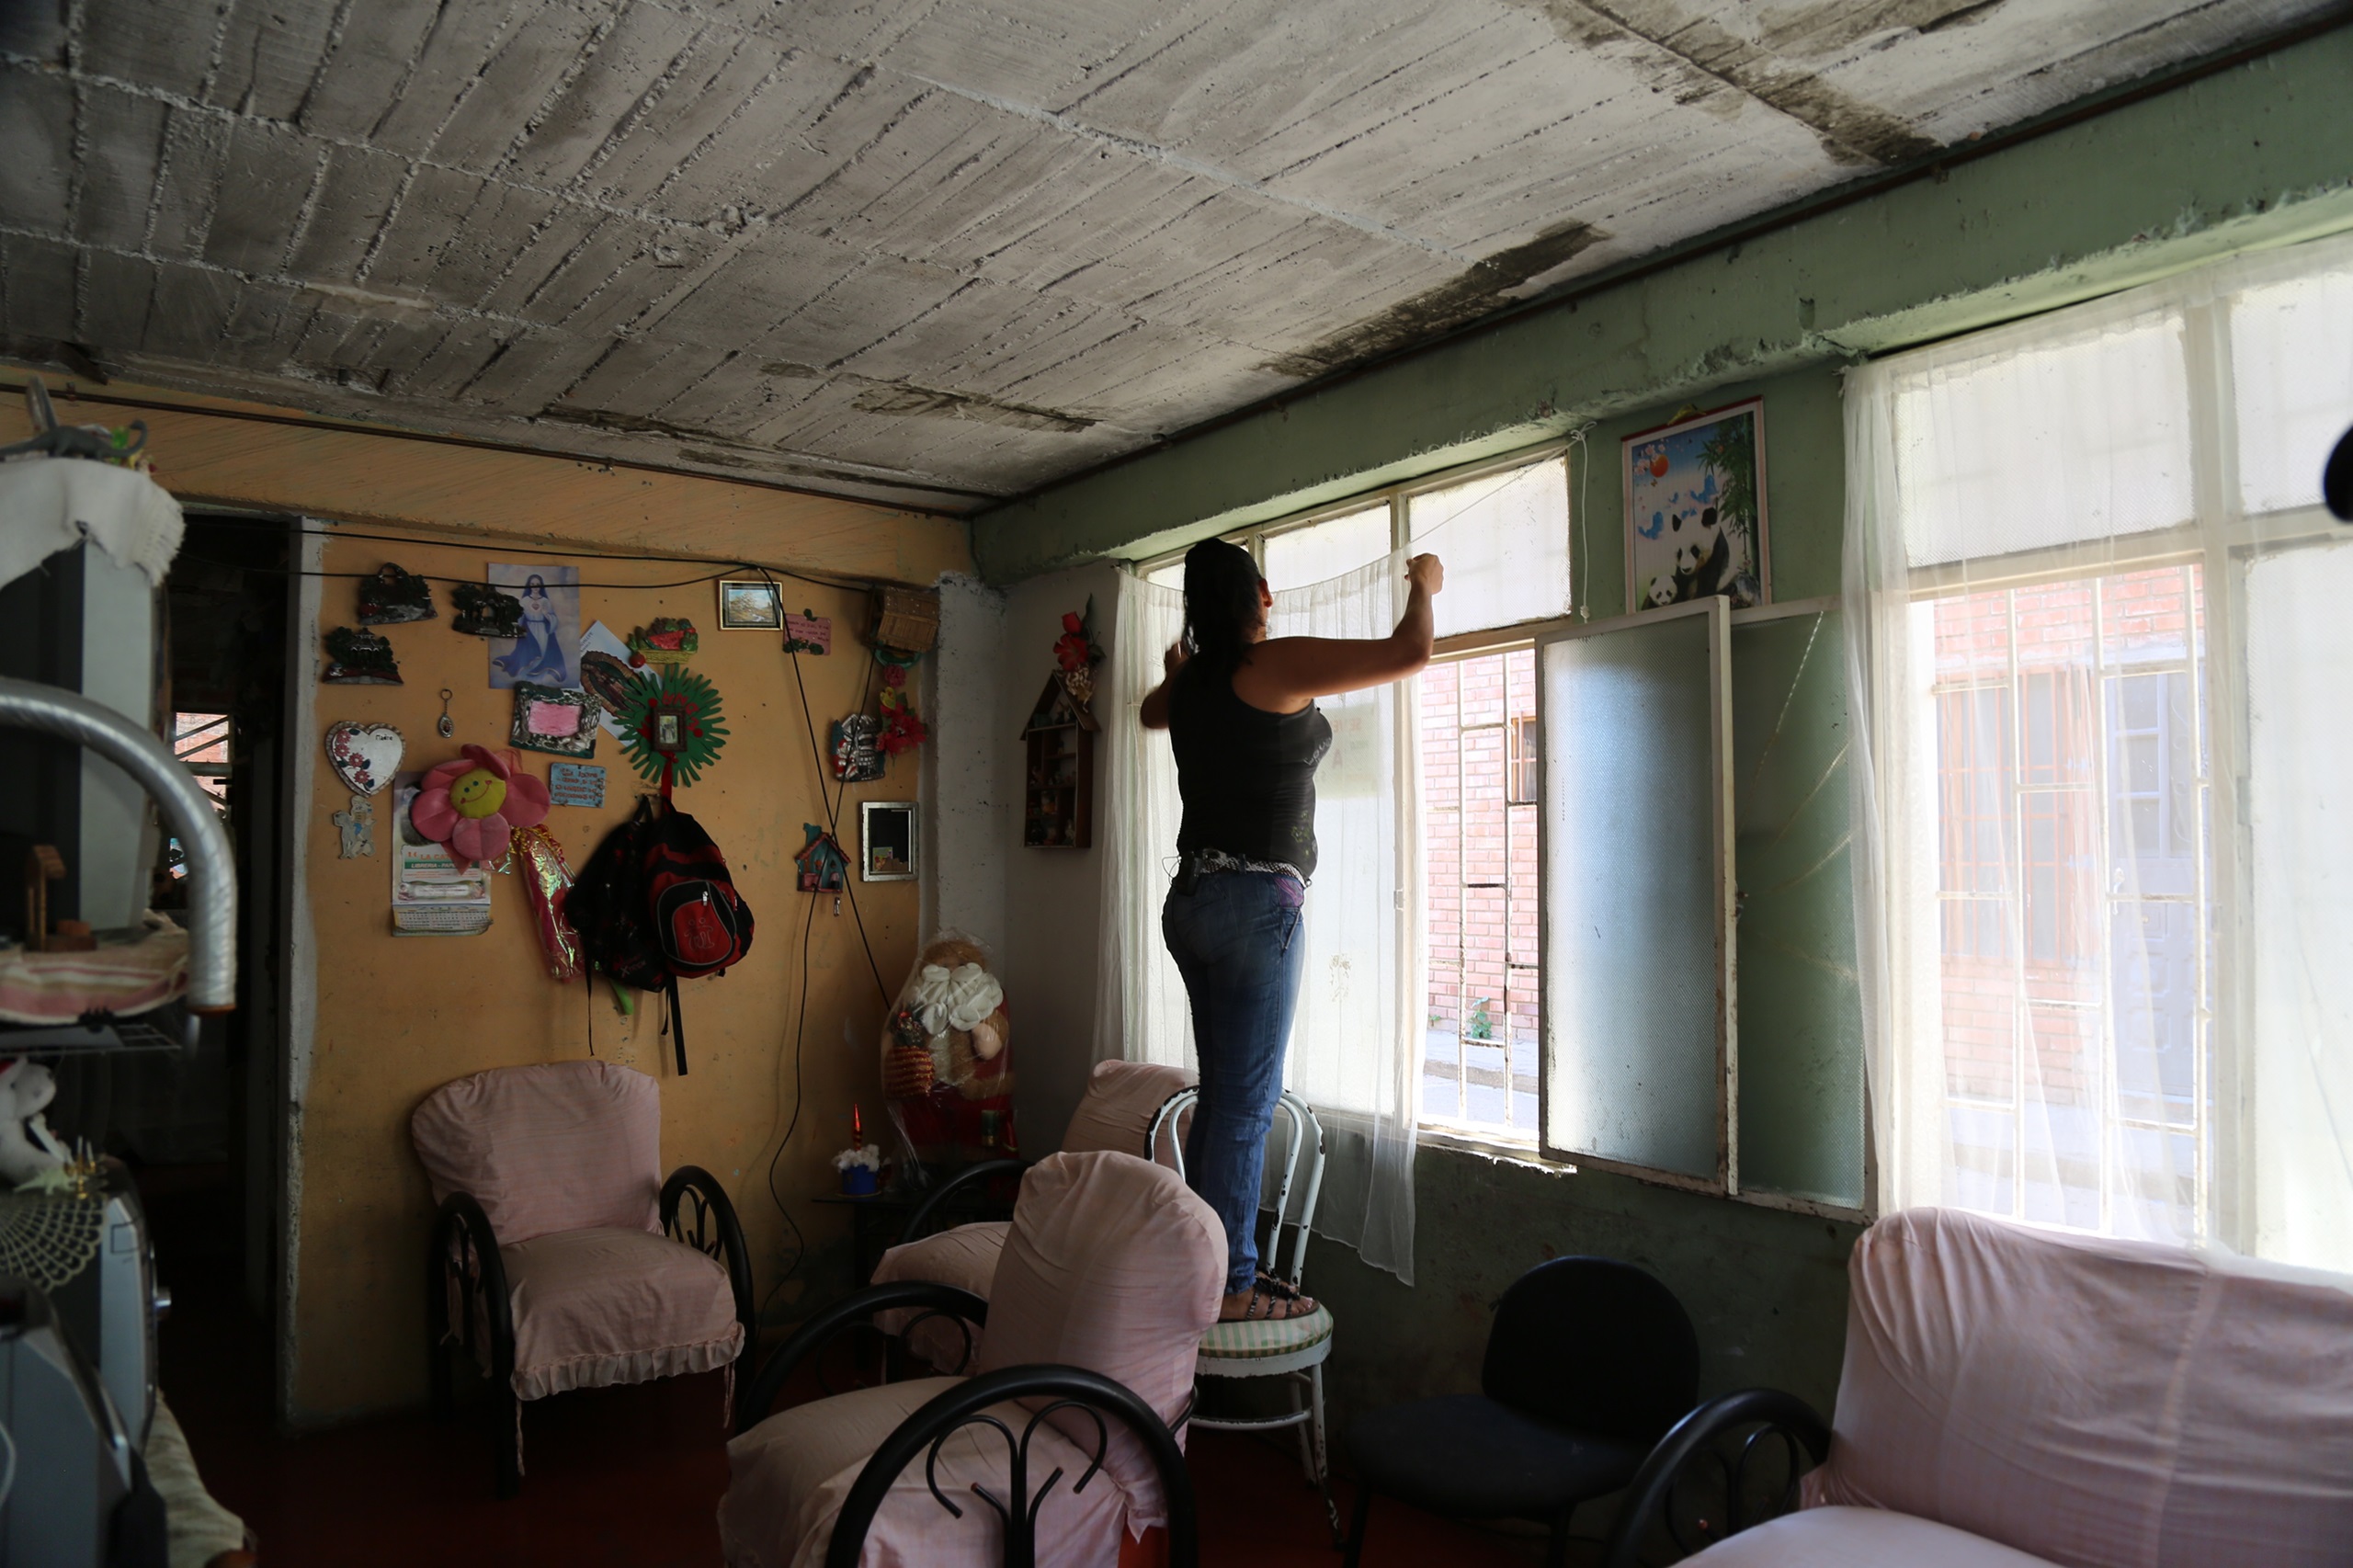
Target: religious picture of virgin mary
(543, 653)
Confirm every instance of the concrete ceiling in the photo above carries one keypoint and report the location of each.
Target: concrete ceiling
(934, 252)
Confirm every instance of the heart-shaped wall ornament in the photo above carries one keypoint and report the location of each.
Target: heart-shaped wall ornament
(365, 756)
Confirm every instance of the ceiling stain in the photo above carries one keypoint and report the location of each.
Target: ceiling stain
(1480, 289)
(1850, 131)
(630, 423)
(1813, 31)
(898, 397)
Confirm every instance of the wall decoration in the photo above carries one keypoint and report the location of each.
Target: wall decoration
(445, 726)
(394, 596)
(886, 841)
(357, 824)
(1058, 788)
(365, 756)
(481, 611)
(576, 784)
(808, 633)
(541, 649)
(906, 619)
(902, 730)
(1695, 510)
(670, 640)
(548, 719)
(607, 670)
(671, 728)
(475, 803)
(857, 745)
(434, 893)
(546, 880)
(360, 658)
(823, 866)
(749, 603)
(1076, 653)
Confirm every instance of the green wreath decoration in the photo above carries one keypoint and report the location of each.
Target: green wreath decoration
(676, 692)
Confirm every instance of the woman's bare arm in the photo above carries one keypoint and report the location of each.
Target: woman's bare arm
(1285, 673)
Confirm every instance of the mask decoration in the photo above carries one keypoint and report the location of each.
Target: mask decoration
(474, 806)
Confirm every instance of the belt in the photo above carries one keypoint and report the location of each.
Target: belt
(1205, 861)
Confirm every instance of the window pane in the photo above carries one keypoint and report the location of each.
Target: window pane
(1169, 577)
(1505, 540)
(1480, 1060)
(1321, 550)
(1633, 983)
(2014, 450)
(2291, 365)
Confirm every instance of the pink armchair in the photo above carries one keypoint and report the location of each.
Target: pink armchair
(1064, 1439)
(560, 1258)
(2014, 1398)
(1116, 1113)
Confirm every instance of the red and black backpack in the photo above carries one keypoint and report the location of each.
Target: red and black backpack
(655, 905)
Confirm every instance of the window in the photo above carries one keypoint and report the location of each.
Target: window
(2108, 862)
(1503, 528)
(1479, 1063)
(200, 740)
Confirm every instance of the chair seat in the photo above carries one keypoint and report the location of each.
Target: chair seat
(608, 1305)
(965, 1257)
(1470, 1456)
(1860, 1538)
(1240, 1348)
(790, 1475)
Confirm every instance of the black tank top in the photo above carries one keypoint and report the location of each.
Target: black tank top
(1247, 776)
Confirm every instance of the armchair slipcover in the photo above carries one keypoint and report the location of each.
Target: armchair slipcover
(1111, 1269)
(560, 1259)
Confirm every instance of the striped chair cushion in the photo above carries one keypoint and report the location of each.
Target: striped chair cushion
(1262, 1339)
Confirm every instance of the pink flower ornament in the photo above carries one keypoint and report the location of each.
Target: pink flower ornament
(475, 803)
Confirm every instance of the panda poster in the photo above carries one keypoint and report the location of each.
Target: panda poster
(1695, 510)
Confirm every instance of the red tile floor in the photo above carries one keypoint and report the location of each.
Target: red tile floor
(615, 1476)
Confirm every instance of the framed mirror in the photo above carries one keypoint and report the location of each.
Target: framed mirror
(886, 841)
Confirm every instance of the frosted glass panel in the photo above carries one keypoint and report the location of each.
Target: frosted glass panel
(1505, 540)
(1323, 550)
(1801, 1010)
(2291, 366)
(1172, 575)
(1634, 896)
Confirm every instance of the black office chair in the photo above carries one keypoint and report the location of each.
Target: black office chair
(1590, 1361)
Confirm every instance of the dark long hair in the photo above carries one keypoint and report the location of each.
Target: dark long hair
(1221, 607)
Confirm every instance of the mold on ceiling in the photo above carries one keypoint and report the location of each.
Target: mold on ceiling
(928, 252)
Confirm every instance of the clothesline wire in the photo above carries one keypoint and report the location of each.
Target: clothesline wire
(523, 547)
(430, 577)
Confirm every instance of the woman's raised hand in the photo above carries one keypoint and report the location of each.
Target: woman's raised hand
(1174, 659)
(1427, 573)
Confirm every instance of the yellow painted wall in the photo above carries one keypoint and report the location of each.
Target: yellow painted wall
(398, 1017)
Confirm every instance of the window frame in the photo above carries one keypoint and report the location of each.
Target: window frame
(1398, 496)
(2222, 537)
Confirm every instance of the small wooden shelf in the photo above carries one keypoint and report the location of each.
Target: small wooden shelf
(1058, 781)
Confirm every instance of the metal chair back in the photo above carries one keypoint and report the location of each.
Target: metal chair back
(1302, 1137)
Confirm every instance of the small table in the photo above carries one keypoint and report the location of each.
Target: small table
(877, 1219)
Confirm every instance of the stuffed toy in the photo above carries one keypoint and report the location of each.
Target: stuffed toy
(28, 1150)
(945, 1062)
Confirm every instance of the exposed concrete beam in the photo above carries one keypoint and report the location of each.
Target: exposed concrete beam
(2255, 156)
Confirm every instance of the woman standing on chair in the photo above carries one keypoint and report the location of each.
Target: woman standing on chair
(1240, 710)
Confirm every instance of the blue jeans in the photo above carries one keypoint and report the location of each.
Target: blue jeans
(1236, 940)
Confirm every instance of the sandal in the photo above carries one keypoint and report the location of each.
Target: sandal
(1263, 1305)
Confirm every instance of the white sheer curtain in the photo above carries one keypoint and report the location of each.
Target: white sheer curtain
(1353, 1049)
(2099, 637)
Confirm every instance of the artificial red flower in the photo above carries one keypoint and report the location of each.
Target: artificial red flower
(475, 803)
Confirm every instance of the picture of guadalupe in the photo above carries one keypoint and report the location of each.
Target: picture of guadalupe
(542, 655)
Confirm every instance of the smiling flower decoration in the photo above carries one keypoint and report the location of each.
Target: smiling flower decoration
(475, 803)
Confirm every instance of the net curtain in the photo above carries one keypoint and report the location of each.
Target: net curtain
(1353, 1044)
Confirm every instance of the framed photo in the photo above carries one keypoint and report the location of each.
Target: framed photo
(886, 841)
(1695, 510)
(547, 719)
(749, 603)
